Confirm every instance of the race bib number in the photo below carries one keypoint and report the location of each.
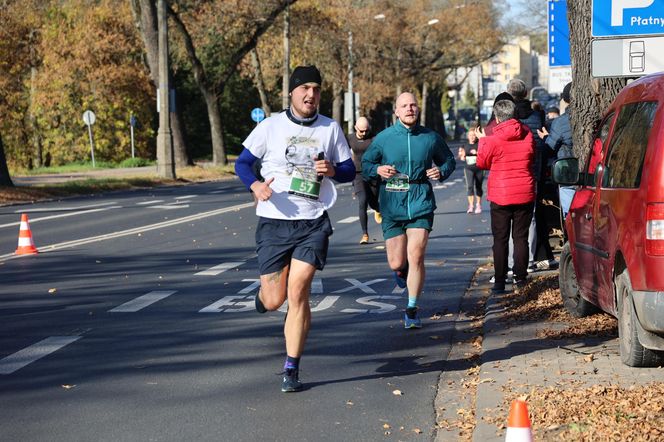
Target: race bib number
(398, 183)
(471, 159)
(305, 184)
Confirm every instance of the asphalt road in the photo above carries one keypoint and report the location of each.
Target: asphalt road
(135, 322)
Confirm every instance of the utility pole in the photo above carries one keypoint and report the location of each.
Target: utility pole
(284, 95)
(165, 154)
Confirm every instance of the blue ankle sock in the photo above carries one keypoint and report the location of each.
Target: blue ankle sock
(412, 302)
(291, 363)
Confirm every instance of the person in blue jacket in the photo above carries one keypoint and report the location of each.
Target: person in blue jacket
(406, 156)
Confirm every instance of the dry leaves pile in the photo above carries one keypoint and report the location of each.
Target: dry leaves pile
(572, 411)
(597, 413)
(540, 301)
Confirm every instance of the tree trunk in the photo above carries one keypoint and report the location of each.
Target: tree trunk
(145, 20)
(5, 179)
(258, 81)
(590, 97)
(216, 129)
(337, 102)
(437, 121)
(286, 66)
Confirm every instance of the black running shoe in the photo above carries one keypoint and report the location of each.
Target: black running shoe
(260, 308)
(291, 382)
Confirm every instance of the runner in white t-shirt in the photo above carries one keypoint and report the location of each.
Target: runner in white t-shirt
(300, 151)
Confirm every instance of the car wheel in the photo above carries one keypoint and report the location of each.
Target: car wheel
(632, 353)
(569, 288)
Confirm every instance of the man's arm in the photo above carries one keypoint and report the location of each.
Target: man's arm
(371, 160)
(244, 168)
(444, 159)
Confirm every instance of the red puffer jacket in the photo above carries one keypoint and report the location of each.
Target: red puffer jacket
(509, 155)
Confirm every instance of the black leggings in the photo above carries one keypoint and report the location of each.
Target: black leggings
(474, 180)
(367, 196)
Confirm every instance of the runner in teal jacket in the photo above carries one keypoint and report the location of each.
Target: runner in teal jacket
(411, 151)
(404, 156)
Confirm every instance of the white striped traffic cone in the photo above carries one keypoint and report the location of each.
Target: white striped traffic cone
(518, 423)
(26, 246)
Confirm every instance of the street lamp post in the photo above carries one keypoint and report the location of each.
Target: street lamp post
(351, 96)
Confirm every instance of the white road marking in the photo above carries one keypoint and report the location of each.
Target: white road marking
(118, 234)
(364, 286)
(65, 209)
(142, 301)
(169, 207)
(34, 352)
(185, 197)
(234, 304)
(214, 271)
(349, 220)
(316, 286)
(145, 203)
(372, 301)
(62, 215)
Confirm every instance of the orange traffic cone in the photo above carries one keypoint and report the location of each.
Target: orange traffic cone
(518, 423)
(26, 246)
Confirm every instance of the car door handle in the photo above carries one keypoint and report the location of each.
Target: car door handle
(589, 216)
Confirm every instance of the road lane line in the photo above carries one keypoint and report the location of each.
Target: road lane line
(65, 209)
(185, 197)
(142, 301)
(166, 207)
(28, 355)
(349, 220)
(146, 203)
(118, 234)
(221, 268)
(62, 215)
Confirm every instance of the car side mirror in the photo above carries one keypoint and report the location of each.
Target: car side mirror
(566, 171)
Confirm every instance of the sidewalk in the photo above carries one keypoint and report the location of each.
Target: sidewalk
(130, 172)
(528, 345)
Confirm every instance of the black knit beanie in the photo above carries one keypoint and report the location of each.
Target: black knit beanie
(567, 92)
(302, 75)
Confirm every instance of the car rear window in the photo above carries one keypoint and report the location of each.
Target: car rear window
(628, 145)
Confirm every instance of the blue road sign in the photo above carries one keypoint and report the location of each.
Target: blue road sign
(257, 114)
(615, 18)
(559, 54)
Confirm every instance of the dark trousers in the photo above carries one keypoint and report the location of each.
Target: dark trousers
(367, 196)
(515, 218)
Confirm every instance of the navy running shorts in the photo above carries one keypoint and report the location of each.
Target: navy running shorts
(278, 241)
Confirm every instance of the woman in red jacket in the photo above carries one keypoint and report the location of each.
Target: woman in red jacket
(509, 153)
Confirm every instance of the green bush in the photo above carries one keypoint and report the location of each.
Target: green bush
(136, 162)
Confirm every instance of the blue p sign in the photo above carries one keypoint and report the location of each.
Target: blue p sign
(257, 114)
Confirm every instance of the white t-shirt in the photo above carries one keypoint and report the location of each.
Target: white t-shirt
(285, 147)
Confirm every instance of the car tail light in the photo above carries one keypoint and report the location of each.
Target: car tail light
(655, 229)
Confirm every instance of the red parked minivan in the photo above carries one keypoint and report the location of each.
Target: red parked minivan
(614, 254)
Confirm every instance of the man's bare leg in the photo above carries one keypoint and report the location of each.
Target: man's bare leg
(272, 292)
(397, 252)
(296, 327)
(416, 246)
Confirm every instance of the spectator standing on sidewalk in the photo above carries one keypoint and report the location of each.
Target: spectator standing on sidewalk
(402, 155)
(560, 140)
(365, 189)
(474, 175)
(509, 154)
(300, 151)
(542, 254)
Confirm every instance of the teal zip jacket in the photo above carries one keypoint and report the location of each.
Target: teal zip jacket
(412, 152)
